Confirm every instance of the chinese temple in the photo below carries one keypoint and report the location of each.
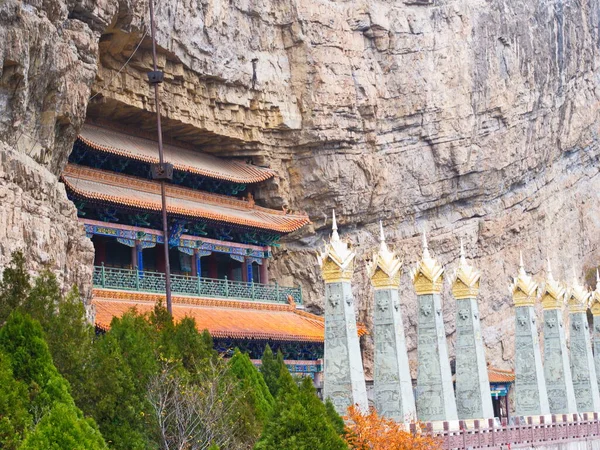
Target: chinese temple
(219, 241)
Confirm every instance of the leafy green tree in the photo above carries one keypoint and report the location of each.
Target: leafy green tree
(15, 419)
(252, 386)
(64, 428)
(68, 334)
(14, 285)
(121, 367)
(271, 369)
(21, 339)
(299, 420)
(70, 338)
(335, 419)
(47, 393)
(43, 299)
(183, 343)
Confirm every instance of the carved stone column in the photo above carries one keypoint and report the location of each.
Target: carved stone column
(557, 370)
(531, 398)
(473, 396)
(392, 383)
(344, 381)
(435, 393)
(585, 382)
(595, 307)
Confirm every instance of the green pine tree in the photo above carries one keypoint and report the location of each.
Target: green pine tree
(252, 386)
(48, 396)
(271, 369)
(14, 286)
(64, 428)
(335, 418)
(22, 340)
(121, 366)
(15, 419)
(299, 420)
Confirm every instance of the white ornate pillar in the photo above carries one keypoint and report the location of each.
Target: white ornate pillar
(531, 398)
(473, 396)
(557, 370)
(435, 393)
(392, 383)
(344, 381)
(585, 382)
(595, 307)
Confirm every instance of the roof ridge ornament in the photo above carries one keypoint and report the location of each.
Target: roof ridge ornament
(337, 259)
(577, 296)
(595, 298)
(465, 278)
(551, 292)
(523, 289)
(428, 274)
(384, 269)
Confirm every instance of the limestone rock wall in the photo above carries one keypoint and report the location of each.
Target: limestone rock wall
(470, 118)
(48, 56)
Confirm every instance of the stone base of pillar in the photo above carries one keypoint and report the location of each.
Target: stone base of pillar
(447, 425)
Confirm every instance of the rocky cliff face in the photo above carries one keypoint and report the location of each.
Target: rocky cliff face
(471, 119)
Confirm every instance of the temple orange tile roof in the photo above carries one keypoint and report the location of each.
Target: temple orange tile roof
(222, 318)
(146, 150)
(500, 376)
(124, 190)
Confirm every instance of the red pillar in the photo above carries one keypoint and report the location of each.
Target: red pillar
(160, 259)
(264, 271)
(195, 264)
(245, 271)
(100, 249)
(212, 266)
(134, 257)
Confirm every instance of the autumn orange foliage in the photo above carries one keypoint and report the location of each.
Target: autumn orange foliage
(372, 432)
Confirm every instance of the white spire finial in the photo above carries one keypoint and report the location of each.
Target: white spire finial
(381, 233)
(334, 229)
(426, 254)
(574, 275)
(521, 265)
(597, 279)
(463, 259)
(549, 268)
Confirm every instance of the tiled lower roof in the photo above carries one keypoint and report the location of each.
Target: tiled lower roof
(500, 376)
(124, 190)
(222, 318)
(145, 150)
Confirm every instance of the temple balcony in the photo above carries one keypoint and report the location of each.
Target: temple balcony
(193, 286)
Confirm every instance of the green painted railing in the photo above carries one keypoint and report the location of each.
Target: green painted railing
(135, 280)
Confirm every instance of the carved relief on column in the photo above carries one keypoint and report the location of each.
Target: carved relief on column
(435, 392)
(473, 396)
(557, 369)
(344, 381)
(595, 307)
(583, 370)
(392, 383)
(531, 398)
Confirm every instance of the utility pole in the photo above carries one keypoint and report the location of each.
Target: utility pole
(161, 171)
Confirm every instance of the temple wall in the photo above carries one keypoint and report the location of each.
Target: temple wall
(471, 118)
(582, 445)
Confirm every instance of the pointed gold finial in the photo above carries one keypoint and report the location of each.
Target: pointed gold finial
(428, 274)
(337, 259)
(523, 288)
(577, 296)
(595, 300)
(384, 269)
(465, 279)
(552, 293)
